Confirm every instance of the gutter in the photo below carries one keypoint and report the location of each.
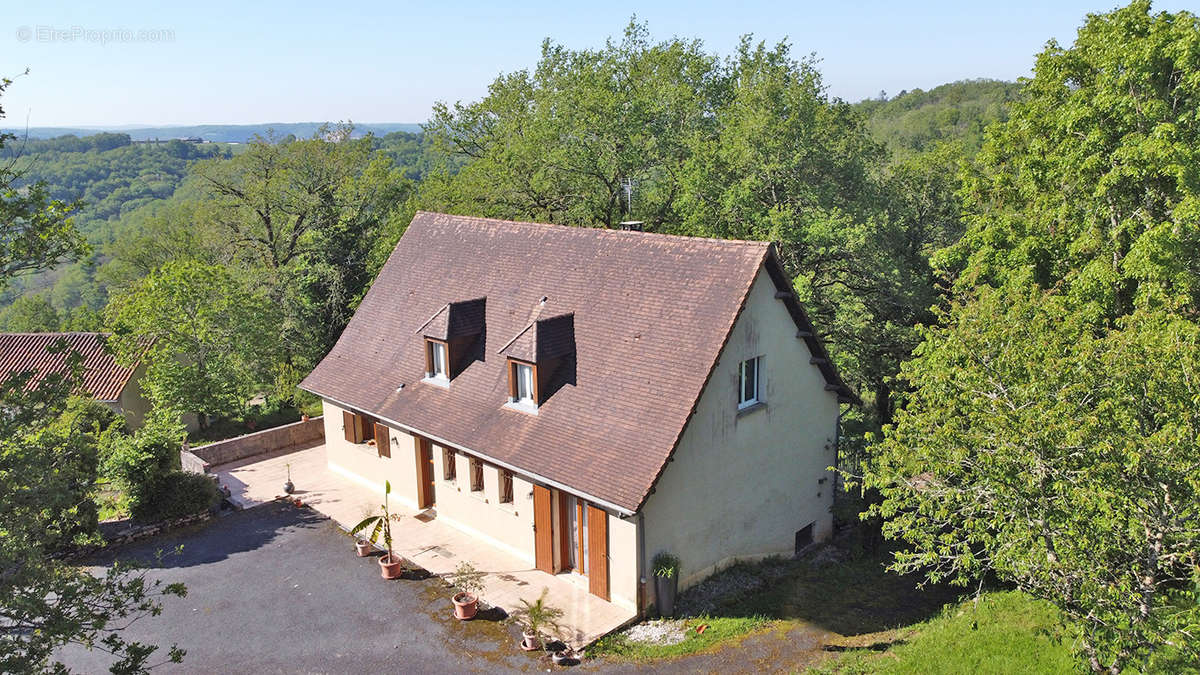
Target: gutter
(444, 443)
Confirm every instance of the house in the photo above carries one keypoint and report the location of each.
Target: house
(586, 398)
(103, 378)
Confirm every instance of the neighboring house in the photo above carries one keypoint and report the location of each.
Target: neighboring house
(103, 378)
(586, 398)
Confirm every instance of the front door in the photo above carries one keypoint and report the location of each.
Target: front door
(425, 492)
(543, 530)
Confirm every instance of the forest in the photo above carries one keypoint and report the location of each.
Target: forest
(1007, 273)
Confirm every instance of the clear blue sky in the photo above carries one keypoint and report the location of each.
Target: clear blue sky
(253, 62)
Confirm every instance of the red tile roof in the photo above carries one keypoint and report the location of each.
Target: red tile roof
(103, 377)
(651, 314)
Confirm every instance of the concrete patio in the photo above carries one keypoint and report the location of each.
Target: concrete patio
(435, 545)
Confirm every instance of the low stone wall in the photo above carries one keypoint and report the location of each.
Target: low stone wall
(296, 434)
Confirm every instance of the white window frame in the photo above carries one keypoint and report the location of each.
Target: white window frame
(439, 360)
(743, 401)
(524, 376)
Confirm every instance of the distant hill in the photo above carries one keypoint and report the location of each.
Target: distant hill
(913, 120)
(217, 133)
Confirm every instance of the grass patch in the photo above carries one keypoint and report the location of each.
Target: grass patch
(1005, 632)
(720, 630)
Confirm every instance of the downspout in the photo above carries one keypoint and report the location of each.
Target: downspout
(641, 560)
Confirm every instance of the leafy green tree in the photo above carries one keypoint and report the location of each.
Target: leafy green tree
(561, 144)
(30, 314)
(35, 229)
(47, 471)
(1061, 458)
(1091, 185)
(207, 340)
(302, 218)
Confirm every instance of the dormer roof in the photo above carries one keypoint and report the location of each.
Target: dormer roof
(464, 318)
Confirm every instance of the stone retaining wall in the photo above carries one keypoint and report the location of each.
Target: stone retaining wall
(294, 435)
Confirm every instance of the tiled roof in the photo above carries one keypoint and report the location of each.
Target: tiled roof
(103, 377)
(651, 314)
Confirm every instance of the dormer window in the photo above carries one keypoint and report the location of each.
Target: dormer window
(454, 339)
(541, 360)
(523, 385)
(437, 359)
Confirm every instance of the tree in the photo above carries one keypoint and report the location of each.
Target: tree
(301, 218)
(207, 340)
(1064, 459)
(1091, 185)
(35, 230)
(47, 470)
(568, 141)
(30, 314)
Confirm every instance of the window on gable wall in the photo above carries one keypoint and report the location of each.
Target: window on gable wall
(750, 382)
(449, 470)
(476, 475)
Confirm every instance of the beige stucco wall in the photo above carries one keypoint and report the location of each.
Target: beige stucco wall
(132, 402)
(505, 526)
(362, 463)
(740, 486)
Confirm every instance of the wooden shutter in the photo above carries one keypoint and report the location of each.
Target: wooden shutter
(512, 380)
(349, 423)
(564, 529)
(543, 530)
(597, 573)
(383, 440)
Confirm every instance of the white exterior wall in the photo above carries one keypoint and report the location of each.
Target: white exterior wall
(505, 526)
(740, 486)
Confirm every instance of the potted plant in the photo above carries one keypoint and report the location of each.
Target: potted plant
(534, 617)
(666, 582)
(380, 526)
(468, 581)
(288, 487)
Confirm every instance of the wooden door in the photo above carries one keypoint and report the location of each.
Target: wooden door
(425, 493)
(543, 530)
(564, 531)
(597, 564)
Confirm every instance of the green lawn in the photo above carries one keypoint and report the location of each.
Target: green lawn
(718, 630)
(887, 623)
(1004, 632)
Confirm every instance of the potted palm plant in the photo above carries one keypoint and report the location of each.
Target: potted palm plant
(534, 617)
(380, 526)
(666, 582)
(468, 581)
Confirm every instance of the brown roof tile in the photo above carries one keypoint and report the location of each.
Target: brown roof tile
(103, 377)
(650, 312)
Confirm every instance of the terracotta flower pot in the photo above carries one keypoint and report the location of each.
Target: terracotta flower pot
(363, 547)
(391, 566)
(530, 642)
(465, 606)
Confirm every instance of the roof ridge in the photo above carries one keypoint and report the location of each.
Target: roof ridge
(601, 230)
(60, 333)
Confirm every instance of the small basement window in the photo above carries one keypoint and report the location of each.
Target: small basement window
(750, 382)
(804, 538)
(476, 475)
(506, 487)
(436, 360)
(449, 470)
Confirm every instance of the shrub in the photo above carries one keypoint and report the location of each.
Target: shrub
(174, 495)
(665, 565)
